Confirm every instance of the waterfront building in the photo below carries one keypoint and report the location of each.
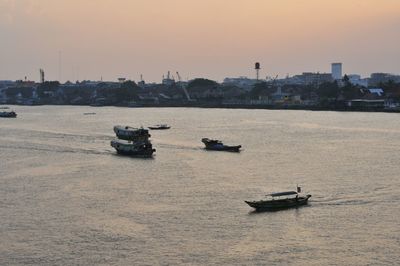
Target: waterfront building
(336, 71)
(6, 83)
(169, 80)
(377, 78)
(241, 82)
(356, 79)
(366, 104)
(309, 78)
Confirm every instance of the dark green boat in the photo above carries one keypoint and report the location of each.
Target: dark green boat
(11, 114)
(280, 200)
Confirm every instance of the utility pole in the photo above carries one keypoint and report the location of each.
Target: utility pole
(59, 66)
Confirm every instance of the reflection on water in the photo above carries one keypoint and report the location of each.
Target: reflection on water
(67, 198)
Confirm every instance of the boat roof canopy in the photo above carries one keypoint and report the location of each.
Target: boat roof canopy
(286, 193)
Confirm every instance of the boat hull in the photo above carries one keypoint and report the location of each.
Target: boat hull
(216, 145)
(224, 148)
(8, 114)
(271, 205)
(132, 134)
(159, 128)
(143, 150)
(140, 154)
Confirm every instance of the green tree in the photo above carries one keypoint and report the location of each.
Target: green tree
(128, 91)
(200, 82)
(350, 91)
(51, 86)
(391, 89)
(261, 88)
(328, 90)
(346, 80)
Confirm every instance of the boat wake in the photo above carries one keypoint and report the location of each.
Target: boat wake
(48, 135)
(57, 149)
(177, 147)
(342, 202)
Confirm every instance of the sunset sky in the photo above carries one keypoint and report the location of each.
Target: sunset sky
(199, 38)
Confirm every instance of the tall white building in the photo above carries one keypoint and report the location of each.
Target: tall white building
(337, 71)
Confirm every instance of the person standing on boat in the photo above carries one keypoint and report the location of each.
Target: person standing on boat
(298, 191)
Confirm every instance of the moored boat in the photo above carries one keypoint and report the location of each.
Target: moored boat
(217, 145)
(157, 127)
(137, 149)
(10, 114)
(280, 200)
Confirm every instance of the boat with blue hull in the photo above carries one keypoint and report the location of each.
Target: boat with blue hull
(217, 145)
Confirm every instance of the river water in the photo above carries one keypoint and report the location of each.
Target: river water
(66, 198)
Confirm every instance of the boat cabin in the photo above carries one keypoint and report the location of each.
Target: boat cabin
(278, 195)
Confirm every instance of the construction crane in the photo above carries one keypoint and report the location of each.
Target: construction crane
(183, 87)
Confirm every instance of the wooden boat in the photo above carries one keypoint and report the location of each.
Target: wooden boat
(157, 127)
(132, 141)
(136, 149)
(131, 133)
(11, 114)
(216, 145)
(280, 200)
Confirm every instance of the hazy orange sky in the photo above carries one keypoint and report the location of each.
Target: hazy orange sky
(198, 38)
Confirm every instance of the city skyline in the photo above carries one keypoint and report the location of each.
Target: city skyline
(213, 39)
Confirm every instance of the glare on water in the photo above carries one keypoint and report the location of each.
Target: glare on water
(67, 198)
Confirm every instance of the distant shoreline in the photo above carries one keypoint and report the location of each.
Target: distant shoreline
(233, 106)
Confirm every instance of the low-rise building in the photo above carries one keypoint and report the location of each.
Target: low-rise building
(356, 79)
(241, 82)
(377, 78)
(309, 78)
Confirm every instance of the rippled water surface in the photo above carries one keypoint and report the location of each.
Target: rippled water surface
(66, 198)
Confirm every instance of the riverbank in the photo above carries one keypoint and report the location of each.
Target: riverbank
(238, 106)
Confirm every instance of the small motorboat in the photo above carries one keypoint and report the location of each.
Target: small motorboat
(280, 200)
(136, 149)
(217, 145)
(10, 114)
(157, 127)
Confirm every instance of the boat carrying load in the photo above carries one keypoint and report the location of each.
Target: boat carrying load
(280, 200)
(10, 114)
(131, 133)
(139, 149)
(132, 141)
(216, 145)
